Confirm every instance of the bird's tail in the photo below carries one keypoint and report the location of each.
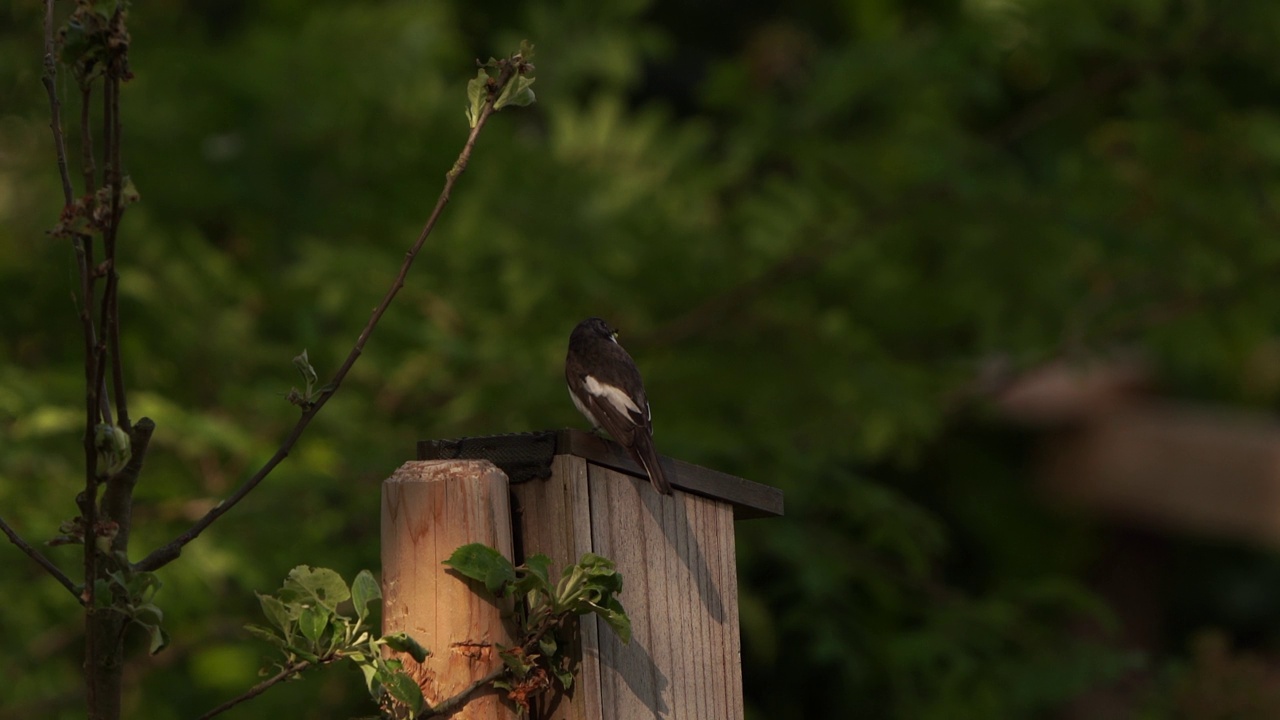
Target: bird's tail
(645, 454)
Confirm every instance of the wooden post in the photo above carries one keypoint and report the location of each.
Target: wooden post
(575, 493)
(430, 509)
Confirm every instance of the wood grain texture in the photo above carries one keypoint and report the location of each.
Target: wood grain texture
(553, 517)
(676, 556)
(429, 509)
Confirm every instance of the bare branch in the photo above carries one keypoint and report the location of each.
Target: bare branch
(258, 689)
(117, 498)
(168, 553)
(40, 559)
(448, 705)
(93, 382)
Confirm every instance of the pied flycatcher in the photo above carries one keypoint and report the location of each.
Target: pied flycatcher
(605, 386)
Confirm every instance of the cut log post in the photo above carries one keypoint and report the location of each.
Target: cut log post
(575, 493)
(430, 509)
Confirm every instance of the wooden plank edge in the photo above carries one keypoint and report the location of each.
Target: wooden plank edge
(750, 500)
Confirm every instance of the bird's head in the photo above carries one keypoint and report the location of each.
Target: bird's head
(597, 327)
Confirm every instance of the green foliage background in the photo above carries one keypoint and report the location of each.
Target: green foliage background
(815, 228)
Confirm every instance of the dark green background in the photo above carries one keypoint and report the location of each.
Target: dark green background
(815, 227)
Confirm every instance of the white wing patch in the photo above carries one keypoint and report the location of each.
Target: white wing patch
(616, 397)
(595, 423)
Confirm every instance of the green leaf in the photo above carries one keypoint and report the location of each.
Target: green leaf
(533, 579)
(402, 688)
(519, 664)
(613, 614)
(548, 645)
(280, 615)
(102, 597)
(477, 93)
(143, 585)
(264, 633)
(313, 622)
(401, 642)
(540, 566)
(75, 43)
(303, 363)
(564, 674)
(370, 673)
(303, 653)
(113, 447)
(159, 638)
(600, 574)
(517, 92)
(157, 615)
(322, 585)
(364, 590)
(483, 563)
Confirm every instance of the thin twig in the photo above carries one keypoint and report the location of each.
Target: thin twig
(40, 559)
(260, 688)
(114, 178)
(88, 497)
(84, 258)
(165, 554)
(55, 107)
(88, 168)
(1042, 111)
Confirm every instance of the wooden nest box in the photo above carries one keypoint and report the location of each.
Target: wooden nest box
(565, 493)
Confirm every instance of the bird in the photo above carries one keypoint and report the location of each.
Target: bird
(605, 385)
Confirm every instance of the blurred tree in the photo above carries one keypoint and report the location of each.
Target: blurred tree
(814, 226)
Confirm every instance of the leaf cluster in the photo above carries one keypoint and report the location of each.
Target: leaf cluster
(312, 625)
(93, 37)
(544, 611)
(508, 81)
(307, 397)
(131, 593)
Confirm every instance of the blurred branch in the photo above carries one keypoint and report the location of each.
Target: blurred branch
(1047, 108)
(113, 178)
(712, 310)
(1099, 84)
(55, 121)
(167, 553)
(88, 170)
(41, 560)
(802, 260)
(445, 707)
(260, 688)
